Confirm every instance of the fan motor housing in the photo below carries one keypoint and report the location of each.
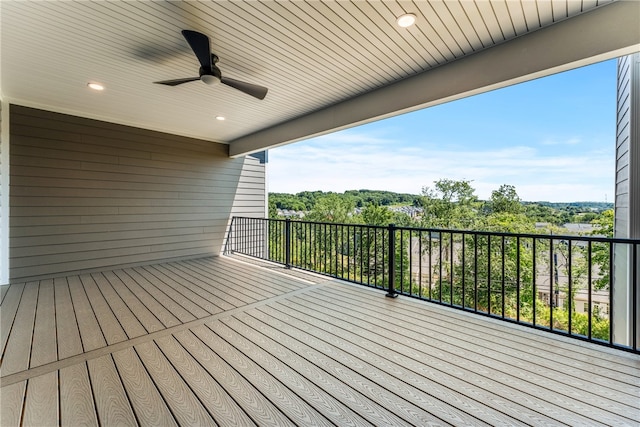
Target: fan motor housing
(210, 76)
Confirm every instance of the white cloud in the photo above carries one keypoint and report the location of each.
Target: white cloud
(352, 160)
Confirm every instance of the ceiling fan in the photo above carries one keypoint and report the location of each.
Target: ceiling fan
(209, 72)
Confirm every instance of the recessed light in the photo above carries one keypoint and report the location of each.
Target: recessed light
(221, 118)
(406, 20)
(95, 86)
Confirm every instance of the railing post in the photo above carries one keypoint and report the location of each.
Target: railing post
(228, 247)
(287, 243)
(391, 292)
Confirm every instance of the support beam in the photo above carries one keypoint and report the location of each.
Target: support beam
(607, 32)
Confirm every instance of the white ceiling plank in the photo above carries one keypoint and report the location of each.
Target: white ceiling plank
(310, 54)
(545, 11)
(574, 6)
(385, 23)
(441, 32)
(588, 4)
(472, 27)
(348, 14)
(478, 23)
(417, 34)
(491, 21)
(585, 39)
(517, 16)
(531, 14)
(443, 12)
(559, 8)
(504, 17)
(323, 37)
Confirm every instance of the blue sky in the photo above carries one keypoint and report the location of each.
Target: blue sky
(552, 138)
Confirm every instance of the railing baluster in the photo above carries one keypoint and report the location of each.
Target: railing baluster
(391, 291)
(287, 243)
(611, 291)
(634, 298)
(420, 263)
(440, 268)
(451, 265)
(502, 281)
(533, 282)
(570, 287)
(590, 286)
(430, 266)
(489, 274)
(518, 279)
(553, 264)
(464, 268)
(475, 273)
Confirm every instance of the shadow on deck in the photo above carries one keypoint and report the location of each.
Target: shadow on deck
(225, 341)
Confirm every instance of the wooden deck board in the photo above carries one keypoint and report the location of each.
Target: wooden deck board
(185, 406)
(162, 295)
(287, 401)
(144, 315)
(204, 271)
(319, 386)
(148, 404)
(90, 332)
(366, 367)
(41, 403)
(11, 403)
(182, 295)
(472, 363)
(112, 404)
(220, 405)
(575, 380)
(261, 410)
(76, 398)
(129, 322)
(208, 298)
(220, 341)
(18, 349)
(68, 334)
(44, 347)
(8, 313)
(3, 291)
(232, 294)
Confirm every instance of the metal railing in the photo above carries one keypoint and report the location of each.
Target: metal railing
(583, 287)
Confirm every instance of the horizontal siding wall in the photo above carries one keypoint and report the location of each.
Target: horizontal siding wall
(87, 195)
(622, 147)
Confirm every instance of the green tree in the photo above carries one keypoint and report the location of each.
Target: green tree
(450, 204)
(603, 226)
(376, 215)
(273, 210)
(506, 200)
(332, 208)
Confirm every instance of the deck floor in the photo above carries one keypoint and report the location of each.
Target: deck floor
(218, 341)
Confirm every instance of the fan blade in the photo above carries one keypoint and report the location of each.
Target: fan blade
(200, 45)
(177, 82)
(254, 90)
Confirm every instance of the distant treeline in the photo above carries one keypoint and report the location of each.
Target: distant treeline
(306, 200)
(554, 213)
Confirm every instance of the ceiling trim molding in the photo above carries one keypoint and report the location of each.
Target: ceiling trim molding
(606, 32)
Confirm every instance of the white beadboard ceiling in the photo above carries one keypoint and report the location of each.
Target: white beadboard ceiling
(310, 54)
